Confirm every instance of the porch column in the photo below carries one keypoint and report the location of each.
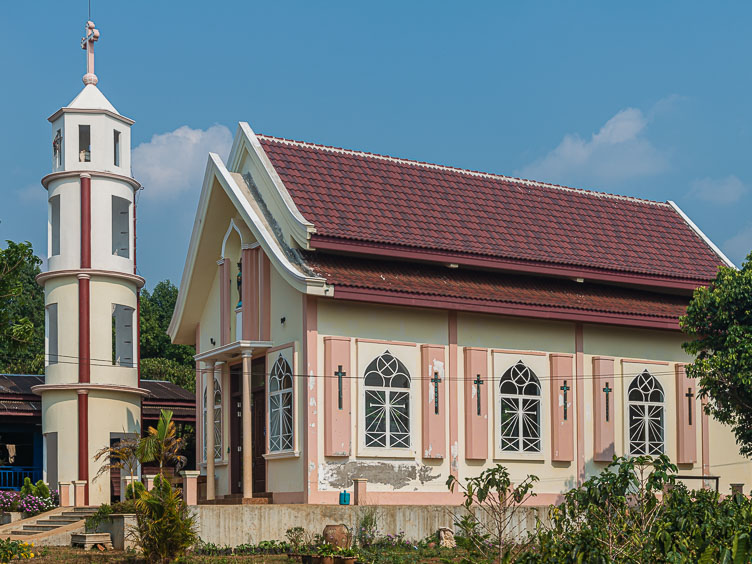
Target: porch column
(209, 426)
(247, 426)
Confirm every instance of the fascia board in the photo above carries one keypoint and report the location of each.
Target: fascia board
(288, 270)
(215, 168)
(297, 225)
(702, 235)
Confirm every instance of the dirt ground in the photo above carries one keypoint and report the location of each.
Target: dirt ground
(64, 554)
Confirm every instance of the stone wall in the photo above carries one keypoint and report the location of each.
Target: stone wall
(232, 525)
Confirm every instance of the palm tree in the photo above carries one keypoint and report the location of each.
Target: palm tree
(162, 444)
(121, 456)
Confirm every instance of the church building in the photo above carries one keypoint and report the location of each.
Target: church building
(370, 318)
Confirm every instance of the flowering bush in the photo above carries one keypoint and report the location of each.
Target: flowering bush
(9, 500)
(11, 549)
(32, 505)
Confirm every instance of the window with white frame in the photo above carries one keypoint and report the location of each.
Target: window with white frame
(217, 420)
(280, 406)
(121, 227)
(520, 410)
(646, 420)
(386, 385)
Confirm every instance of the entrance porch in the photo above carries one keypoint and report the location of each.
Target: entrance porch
(234, 377)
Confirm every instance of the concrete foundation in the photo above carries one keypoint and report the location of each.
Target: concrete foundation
(232, 525)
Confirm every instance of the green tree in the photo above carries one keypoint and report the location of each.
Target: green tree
(719, 320)
(21, 310)
(169, 370)
(156, 311)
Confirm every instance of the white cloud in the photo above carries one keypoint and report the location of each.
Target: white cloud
(173, 163)
(617, 152)
(739, 246)
(718, 190)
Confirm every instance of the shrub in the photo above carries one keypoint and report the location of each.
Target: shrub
(165, 528)
(12, 549)
(138, 487)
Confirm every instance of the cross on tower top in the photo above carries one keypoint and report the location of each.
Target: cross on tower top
(87, 43)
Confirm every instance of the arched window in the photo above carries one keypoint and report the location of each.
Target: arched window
(280, 406)
(217, 420)
(645, 401)
(520, 410)
(387, 396)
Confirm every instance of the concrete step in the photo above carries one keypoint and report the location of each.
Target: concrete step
(39, 528)
(78, 515)
(58, 521)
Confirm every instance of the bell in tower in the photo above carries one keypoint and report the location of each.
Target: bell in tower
(91, 397)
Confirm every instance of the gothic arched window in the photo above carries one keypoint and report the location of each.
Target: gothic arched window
(520, 410)
(280, 406)
(387, 396)
(645, 401)
(217, 420)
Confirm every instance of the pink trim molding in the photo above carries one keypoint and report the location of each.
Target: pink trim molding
(642, 361)
(265, 298)
(433, 384)
(705, 442)
(224, 301)
(453, 399)
(310, 410)
(579, 388)
(686, 417)
(476, 414)
(248, 296)
(337, 410)
(562, 414)
(604, 403)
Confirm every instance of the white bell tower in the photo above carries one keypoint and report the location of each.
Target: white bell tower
(91, 395)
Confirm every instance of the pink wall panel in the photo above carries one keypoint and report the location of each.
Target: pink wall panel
(433, 384)
(686, 417)
(337, 409)
(476, 415)
(250, 294)
(265, 298)
(562, 412)
(604, 409)
(224, 301)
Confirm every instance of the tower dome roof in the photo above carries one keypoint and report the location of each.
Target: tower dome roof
(91, 98)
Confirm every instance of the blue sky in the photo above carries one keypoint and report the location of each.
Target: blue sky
(645, 99)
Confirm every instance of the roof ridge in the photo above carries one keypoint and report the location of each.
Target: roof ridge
(476, 173)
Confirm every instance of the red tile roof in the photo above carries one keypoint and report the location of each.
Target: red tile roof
(468, 287)
(364, 197)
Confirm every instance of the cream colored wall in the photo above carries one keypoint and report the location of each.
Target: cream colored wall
(102, 140)
(60, 413)
(105, 293)
(209, 324)
(623, 342)
(68, 189)
(403, 470)
(633, 351)
(122, 412)
(102, 191)
(490, 331)
(63, 291)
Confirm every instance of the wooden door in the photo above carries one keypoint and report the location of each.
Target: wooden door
(259, 441)
(236, 430)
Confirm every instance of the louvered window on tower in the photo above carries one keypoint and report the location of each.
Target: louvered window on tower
(116, 148)
(120, 227)
(52, 341)
(122, 335)
(54, 226)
